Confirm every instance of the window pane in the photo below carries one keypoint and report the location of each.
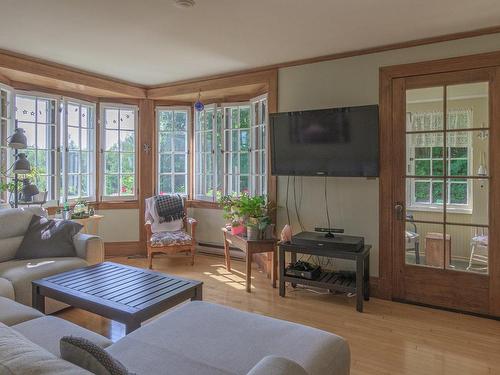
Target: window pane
(127, 119)
(165, 163)
(111, 118)
(111, 183)
(244, 163)
(128, 163)
(459, 167)
(73, 161)
(437, 152)
(72, 186)
(458, 152)
(245, 117)
(437, 192)
(244, 140)
(112, 162)
(458, 193)
(437, 167)
(180, 141)
(180, 121)
(422, 152)
(84, 162)
(84, 139)
(127, 141)
(165, 121)
(422, 167)
(111, 140)
(180, 184)
(73, 138)
(165, 184)
(73, 113)
(422, 192)
(244, 186)
(165, 142)
(127, 185)
(179, 163)
(84, 185)
(25, 109)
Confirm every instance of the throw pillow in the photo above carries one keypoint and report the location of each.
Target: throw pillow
(47, 238)
(90, 356)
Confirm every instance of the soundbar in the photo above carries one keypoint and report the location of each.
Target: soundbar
(339, 242)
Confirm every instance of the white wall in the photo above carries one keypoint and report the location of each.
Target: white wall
(119, 225)
(348, 82)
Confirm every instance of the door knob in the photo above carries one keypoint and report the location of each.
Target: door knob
(399, 209)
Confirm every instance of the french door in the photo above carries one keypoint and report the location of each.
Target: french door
(444, 189)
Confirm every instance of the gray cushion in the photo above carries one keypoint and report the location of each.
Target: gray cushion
(22, 272)
(90, 356)
(48, 330)
(19, 356)
(6, 288)
(12, 313)
(13, 225)
(273, 365)
(48, 238)
(209, 339)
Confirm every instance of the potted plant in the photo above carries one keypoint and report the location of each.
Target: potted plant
(230, 205)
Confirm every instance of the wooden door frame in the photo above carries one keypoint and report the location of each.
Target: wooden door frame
(387, 79)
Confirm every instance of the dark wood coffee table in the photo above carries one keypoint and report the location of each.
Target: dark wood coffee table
(126, 294)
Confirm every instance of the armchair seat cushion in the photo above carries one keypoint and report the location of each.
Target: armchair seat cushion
(176, 238)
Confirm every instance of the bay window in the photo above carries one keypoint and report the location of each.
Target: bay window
(172, 126)
(230, 149)
(118, 149)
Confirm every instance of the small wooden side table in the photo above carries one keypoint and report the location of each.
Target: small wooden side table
(250, 248)
(90, 224)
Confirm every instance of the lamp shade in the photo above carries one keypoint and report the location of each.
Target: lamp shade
(29, 190)
(18, 140)
(22, 165)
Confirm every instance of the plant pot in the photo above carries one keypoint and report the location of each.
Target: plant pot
(238, 230)
(253, 233)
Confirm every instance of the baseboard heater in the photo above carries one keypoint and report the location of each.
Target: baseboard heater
(218, 249)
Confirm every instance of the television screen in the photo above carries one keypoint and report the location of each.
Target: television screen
(333, 142)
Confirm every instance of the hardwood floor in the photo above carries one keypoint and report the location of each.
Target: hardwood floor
(388, 338)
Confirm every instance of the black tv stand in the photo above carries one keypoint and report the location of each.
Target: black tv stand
(333, 281)
(329, 235)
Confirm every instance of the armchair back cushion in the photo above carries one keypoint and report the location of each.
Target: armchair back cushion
(13, 225)
(151, 216)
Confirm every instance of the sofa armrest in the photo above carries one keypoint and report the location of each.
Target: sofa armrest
(89, 247)
(274, 365)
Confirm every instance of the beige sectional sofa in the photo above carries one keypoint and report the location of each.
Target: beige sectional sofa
(16, 275)
(194, 338)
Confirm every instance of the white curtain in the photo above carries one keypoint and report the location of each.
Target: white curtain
(429, 121)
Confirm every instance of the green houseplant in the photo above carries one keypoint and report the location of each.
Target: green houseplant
(251, 212)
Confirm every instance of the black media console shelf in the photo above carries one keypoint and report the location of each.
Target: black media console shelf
(329, 280)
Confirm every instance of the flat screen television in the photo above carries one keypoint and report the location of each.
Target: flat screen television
(339, 142)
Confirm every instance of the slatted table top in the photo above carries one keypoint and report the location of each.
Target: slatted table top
(115, 290)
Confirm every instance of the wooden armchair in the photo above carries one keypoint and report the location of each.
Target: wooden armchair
(171, 242)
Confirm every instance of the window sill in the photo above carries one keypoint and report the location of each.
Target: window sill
(449, 210)
(203, 204)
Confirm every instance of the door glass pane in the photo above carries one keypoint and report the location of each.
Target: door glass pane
(468, 248)
(424, 244)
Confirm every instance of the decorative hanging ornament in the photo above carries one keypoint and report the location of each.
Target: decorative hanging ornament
(198, 105)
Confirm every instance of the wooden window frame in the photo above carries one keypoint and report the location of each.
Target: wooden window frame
(118, 199)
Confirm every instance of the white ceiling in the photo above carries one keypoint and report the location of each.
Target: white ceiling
(152, 41)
